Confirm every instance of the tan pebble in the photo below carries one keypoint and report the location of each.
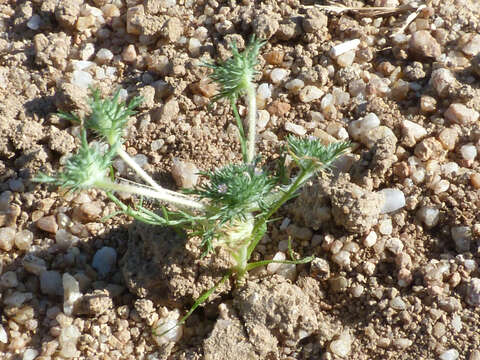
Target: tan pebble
(474, 355)
(475, 180)
(448, 137)
(428, 103)
(423, 44)
(48, 224)
(429, 148)
(85, 22)
(110, 10)
(129, 54)
(461, 114)
(274, 57)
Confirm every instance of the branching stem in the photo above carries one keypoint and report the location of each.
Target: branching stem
(252, 121)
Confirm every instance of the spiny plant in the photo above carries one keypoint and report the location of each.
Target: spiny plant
(232, 207)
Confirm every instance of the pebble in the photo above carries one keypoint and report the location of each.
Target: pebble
(264, 91)
(472, 47)
(469, 152)
(429, 216)
(338, 284)
(295, 129)
(279, 108)
(423, 44)
(461, 114)
(394, 200)
(346, 59)
(385, 226)
(194, 47)
(278, 75)
(34, 264)
(184, 173)
(474, 355)
(129, 54)
(3, 335)
(395, 245)
(68, 338)
(429, 148)
(320, 269)
(342, 258)
(442, 80)
(413, 130)
(451, 354)
(398, 304)
(342, 346)
(30, 354)
(428, 104)
(82, 79)
(370, 239)
(359, 127)
(167, 320)
(294, 86)
(9, 280)
(7, 238)
(104, 260)
(17, 298)
(64, 239)
(402, 343)
(448, 138)
(34, 22)
(462, 237)
(51, 283)
(310, 93)
(475, 180)
(473, 292)
(71, 293)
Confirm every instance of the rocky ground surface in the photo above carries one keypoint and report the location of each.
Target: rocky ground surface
(391, 279)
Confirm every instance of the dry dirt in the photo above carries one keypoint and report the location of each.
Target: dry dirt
(398, 285)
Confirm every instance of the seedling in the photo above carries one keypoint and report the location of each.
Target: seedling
(232, 208)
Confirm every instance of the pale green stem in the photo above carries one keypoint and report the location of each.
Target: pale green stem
(242, 261)
(155, 194)
(147, 178)
(252, 121)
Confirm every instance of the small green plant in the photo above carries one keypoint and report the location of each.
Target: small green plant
(232, 208)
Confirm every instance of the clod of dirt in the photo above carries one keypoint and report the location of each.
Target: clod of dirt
(164, 266)
(352, 207)
(268, 314)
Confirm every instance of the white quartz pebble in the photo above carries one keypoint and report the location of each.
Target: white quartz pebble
(394, 200)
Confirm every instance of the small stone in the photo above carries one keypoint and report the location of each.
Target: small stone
(385, 226)
(398, 304)
(346, 59)
(462, 236)
(82, 79)
(104, 260)
(274, 57)
(469, 152)
(184, 173)
(51, 283)
(104, 56)
(30, 354)
(442, 81)
(413, 130)
(359, 127)
(110, 11)
(473, 292)
(429, 148)
(294, 86)
(94, 304)
(48, 224)
(475, 180)
(439, 330)
(264, 91)
(129, 54)
(9, 279)
(428, 104)
(71, 293)
(88, 212)
(7, 238)
(451, 354)
(295, 129)
(342, 346)
(194, 47)
(310, 93)
(342, 258)
(429, 216)
(472, 47)
(68, 338)
(34, 264)
(320, 269)
(402, 343)
(338, 284)
(370, 239)
(423, 44)
(278, 75)
(3, 335)
(395, 245)
(474, 355)
(448, 138)
(273, 267)
(394, 200)
(173, 29)
(403, 260)
(461, 114)
(168, 321)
